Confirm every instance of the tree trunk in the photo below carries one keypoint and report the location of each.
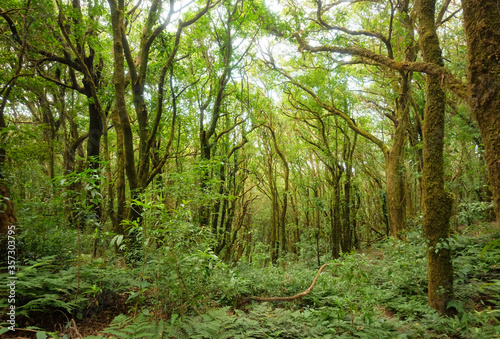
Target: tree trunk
(120, 175)
(296, 237)
(396, 202)
(120, 104)
(282, 213)
(93, 152)
(436, 201)
(274, 242)
(395, 185)
(335, 215)
(318, 225)
(482, 30)
(7, 216)
(348, 198)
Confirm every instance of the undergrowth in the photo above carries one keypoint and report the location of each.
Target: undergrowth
(177, 293)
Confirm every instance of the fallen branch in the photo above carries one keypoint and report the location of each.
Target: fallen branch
(298, 295)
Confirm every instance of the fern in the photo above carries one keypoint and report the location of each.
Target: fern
(42, 286)
(140, 327)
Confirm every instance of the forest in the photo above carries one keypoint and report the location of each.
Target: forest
(250, 169)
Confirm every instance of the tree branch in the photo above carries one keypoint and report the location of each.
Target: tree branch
(448, 79)
(298, 295)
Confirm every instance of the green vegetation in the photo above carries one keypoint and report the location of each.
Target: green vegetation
(379, 292)
(172, 169)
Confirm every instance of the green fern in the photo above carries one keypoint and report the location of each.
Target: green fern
(140, 327)
(43, 286)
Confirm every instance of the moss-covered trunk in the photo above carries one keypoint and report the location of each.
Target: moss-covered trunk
(394, 183)
(482, 29)
(436, 202)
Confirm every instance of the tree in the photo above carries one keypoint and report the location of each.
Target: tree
(364, 43)
(436, 201)
(18, 40)
(482, 30)
(140, 176)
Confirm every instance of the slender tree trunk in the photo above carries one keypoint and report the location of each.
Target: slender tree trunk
(436, 201)
(218, 215)
(49, 130)
(395, 185)
(93, 151)
(318, 226)
(296, 237)
(204, 211)
(396, 202)
(348, 226)
(347, 230)
(335, 215)
(482, 29)
(120, 175)
(117, 10)
(356, 207)
(282, 213)
(274, 218)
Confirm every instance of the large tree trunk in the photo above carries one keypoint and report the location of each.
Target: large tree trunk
(436, 201)
(482, 29)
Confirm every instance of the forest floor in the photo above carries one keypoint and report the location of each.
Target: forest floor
(379, 292)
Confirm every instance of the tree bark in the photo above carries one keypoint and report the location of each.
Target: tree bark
(335, 213)
(7, 216)
(482, 30)
(282, 213)
(120, 175)
(119, 83)
(436, 201)
(273, 191)
(394, 181)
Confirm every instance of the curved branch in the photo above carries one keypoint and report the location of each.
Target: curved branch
(75, 87)
(12, 26)
(298, 295)
(448, 80)
(381, 37)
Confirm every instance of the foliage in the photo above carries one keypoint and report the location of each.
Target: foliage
(206, 153)
(128, 327)
(474, 211)
(379, 294)
(47, 285)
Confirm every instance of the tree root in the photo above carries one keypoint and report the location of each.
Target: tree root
(298, 295)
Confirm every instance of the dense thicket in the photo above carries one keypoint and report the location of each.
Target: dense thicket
(248, 130)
